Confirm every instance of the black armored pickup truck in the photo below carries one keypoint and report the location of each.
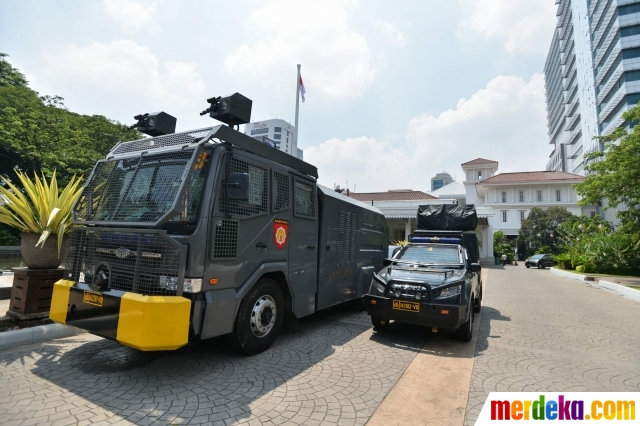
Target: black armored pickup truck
(433, 281)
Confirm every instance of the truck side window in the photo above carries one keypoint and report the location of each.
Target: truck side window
(258, 190)
(305, 199)
(280, 192)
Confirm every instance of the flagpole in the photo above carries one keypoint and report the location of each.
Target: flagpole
(295, 145)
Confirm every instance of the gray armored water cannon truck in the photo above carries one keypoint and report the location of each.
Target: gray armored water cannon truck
(187, 236)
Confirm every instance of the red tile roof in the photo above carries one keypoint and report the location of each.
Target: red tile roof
(522, 177)
(478, 161)
(391, 196)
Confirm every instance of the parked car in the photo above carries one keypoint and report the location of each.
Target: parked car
(540, 261)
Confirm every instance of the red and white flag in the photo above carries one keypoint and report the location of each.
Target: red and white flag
(301, 88)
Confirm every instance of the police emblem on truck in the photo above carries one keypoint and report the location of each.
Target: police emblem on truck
(280, 232)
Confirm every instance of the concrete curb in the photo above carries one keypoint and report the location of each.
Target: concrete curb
(41, 333)
(569, 275)
(621, 290)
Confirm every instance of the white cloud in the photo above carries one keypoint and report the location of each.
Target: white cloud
(336, 61)
(132, 15)
(505, 121)
(392, 32)
(127, 73)
(525, 26)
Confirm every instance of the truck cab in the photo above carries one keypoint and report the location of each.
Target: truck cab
(431, 281)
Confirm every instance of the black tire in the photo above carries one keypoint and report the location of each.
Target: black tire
(477, 302)
(379, 322)
(247, 329)
(465, 332)
(540, 266)
(528, 266)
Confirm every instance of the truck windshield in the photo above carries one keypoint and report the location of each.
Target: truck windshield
(431, 254)
(142, 189)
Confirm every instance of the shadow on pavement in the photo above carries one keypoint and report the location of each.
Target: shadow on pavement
(209, 379)
(489, 315)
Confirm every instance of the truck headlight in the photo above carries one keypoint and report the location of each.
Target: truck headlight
(192, 285)
(448, 292)
(168, 283)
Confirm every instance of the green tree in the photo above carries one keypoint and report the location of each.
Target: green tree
(540, 228)
(9, 76)
(614, 174)
(38, 134)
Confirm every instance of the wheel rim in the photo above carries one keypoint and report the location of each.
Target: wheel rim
(263, 316)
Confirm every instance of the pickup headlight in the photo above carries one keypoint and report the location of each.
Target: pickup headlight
(448, 293)
(377, 288)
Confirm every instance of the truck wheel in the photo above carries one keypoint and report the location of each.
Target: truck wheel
(259, 318)
(527, 266)
(477, 302)
(465, 332)
(379, 322)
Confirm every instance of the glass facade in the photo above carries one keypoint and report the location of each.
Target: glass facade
(592, 75)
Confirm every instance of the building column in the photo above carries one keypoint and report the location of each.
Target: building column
(407, 229)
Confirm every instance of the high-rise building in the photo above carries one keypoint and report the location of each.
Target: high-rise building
(281, 133)
(592, 76)
(440, 180)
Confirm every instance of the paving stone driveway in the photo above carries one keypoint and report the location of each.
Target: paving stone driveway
(333, 370)
(541, 332)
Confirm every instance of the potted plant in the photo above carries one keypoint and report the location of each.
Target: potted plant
(40, 211)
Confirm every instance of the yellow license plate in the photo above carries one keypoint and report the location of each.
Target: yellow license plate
(406, 306)
(93, 298)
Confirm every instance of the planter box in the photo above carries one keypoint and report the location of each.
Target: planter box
(31, 292)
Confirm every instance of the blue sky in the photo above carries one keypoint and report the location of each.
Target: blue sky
(396, 91)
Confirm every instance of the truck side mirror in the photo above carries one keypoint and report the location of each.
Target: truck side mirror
(386, 262)
(238, 186)
(475, 267)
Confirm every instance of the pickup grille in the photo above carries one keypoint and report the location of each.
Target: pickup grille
(408, 290)
(134, 260)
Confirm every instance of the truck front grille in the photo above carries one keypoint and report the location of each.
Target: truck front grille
(134, 261)
(409, 291)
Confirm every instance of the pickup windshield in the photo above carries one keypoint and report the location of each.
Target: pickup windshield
(436, 254)
(142, 189)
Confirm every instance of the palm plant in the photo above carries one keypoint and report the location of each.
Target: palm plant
(42, 208)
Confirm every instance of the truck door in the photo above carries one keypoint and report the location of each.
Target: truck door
(303, 246)
(241, 228)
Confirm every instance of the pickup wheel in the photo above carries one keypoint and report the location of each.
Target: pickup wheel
(259, 318)
(465, 332)
(379, 322)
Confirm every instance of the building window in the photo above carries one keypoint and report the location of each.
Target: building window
(504, 216)
(277, 136)
(521, 196)
(539, 196)
(558, 195)
(593, 214)
(479, 175)
(277, 129)
(504, 197)
(521, 215)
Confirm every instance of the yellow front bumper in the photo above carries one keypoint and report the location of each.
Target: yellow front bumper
(147, 323)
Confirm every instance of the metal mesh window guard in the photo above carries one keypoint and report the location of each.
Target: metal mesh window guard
(139, 189)
(304, 194)
(138, 262)
(173, 139)
(258, 190)
(225, 241)
(347, 238)
(281, 191)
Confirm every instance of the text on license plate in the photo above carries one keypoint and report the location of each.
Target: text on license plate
(406, 306)
(93, 298)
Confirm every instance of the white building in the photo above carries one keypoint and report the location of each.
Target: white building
(400, 207)
(278, 131)
(504, 200)
(454, 190)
